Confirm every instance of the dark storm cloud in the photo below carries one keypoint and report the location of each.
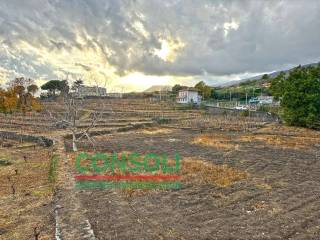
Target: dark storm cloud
(220, 37)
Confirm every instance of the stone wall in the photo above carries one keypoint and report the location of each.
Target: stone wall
(43, 141)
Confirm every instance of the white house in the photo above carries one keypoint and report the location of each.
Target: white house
(265, 99)
(86, 91)
(115, 94)
(188, 95)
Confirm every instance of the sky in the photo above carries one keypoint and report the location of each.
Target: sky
(129, 45)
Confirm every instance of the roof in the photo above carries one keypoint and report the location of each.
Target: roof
(190, 89)
(265, 97)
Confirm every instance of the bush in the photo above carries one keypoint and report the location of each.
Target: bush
(300, 96)
(162, 120)
(245, 113)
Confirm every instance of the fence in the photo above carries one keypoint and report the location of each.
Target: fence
(264, 116)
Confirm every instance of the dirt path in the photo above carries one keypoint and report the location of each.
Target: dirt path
(71, 222)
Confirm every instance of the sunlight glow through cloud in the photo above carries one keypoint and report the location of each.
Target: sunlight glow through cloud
(169, 49)
(136, 44)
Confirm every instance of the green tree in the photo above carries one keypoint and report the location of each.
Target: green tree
(63, 87)
(277, 85)
(205, 91)
(265, 77)
(300, 96)
(52, 86)
(77, 84)
(32, 89)
(176, 88)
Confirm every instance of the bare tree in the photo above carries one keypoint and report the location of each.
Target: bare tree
(71, 119)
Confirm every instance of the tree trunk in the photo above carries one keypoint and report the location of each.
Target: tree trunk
(74, 145)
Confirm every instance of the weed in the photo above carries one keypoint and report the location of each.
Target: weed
(200, 172)
(53, 168)
(245, 113)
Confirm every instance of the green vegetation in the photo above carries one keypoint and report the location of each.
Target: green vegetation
(160, 120)
(53, 169)
(204, 90)
(176, 88)
(243, 90)
(245, 113)
(299, 93)
(53, 85)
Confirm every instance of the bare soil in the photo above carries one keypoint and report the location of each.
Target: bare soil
(242, 178)
(26, 193)
(278, 200)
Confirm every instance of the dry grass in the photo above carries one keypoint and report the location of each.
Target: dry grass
(294, 131)
(283, 142)
(226, 122)
(201, 173)
(217, 140)
(264, 186)
(152, 131)
(259, 206)
(280, 136)
(29, 205)
(275, 136)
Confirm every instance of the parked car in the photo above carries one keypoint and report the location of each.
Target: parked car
(241, 107)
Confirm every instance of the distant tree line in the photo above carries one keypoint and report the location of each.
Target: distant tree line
(62, 86)
(205, 91)
(240, 92)
(53, 86)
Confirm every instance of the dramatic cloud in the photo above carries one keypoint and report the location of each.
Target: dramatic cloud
(141, 43)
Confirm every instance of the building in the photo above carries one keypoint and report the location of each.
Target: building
(86, 91)
(115, 95)
(188, 95)
(265, 99)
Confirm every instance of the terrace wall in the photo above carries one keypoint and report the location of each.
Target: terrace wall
(43, 141)
(263, 116)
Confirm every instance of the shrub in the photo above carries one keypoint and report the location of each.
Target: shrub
(300, 96)
(245, 113)
(160, 120)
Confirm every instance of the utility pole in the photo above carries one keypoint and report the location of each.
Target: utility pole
(246, 98)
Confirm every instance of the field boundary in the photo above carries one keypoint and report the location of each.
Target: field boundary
(41, 140)
(264, 116)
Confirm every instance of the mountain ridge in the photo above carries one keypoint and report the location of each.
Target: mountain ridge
(258, 77)
(158, 88)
